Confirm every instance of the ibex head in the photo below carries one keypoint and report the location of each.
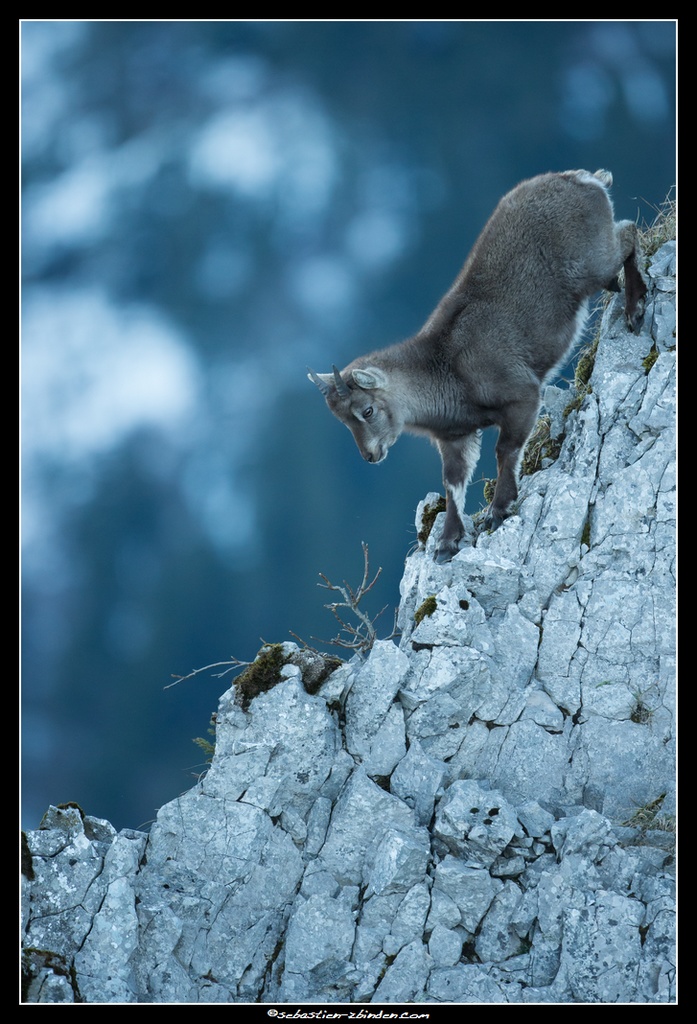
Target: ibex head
(363, 404)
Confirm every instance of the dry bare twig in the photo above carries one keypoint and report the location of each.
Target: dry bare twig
(363, 636)
(232, 664)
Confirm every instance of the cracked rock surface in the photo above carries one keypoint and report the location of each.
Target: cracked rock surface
(481, 813)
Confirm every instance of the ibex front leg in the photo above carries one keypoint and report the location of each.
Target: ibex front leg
(459, 459)
(515, 428)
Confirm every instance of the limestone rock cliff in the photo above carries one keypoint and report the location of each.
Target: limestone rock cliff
(482, 812)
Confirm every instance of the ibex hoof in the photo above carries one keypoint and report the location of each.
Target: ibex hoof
(635, 318)
(494, 518)
(445, 552)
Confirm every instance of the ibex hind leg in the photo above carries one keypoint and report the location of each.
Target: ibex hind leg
(634, 284)
(634, 294)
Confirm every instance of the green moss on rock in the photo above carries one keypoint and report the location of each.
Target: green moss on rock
(584, 366)
(541, 445)
(489, 490)
(426, 609)
(650, 359)
(262, 674)
(586, 534)
(319, 671)
(428, 518)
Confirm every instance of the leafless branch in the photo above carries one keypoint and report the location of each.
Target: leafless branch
(363, 636)
(232, 664)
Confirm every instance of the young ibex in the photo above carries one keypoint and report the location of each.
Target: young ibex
(508, 321)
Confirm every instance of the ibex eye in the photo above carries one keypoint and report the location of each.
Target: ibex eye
(367, 413)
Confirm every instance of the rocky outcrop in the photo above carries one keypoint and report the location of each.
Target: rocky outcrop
(481, 812)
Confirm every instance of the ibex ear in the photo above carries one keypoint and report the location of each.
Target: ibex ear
(369, 378)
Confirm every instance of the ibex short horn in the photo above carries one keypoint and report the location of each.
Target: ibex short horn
(323, 385)
(341, 388)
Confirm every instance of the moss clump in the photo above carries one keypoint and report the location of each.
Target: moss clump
(71, 805)
(541, 445)
(489, 490)
(582, 376)
(584, 366)
(586, 534)
(262, 674)
(319, 671)
(428, 518)
(57, 816)
(650, 359)
(649, 816)
(645, 704)
(574, 404)
(426, 609)
(641, 713)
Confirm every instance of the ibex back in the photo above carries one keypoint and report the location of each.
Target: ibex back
(508, 321)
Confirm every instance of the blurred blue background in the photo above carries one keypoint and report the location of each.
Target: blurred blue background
(208, 208)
